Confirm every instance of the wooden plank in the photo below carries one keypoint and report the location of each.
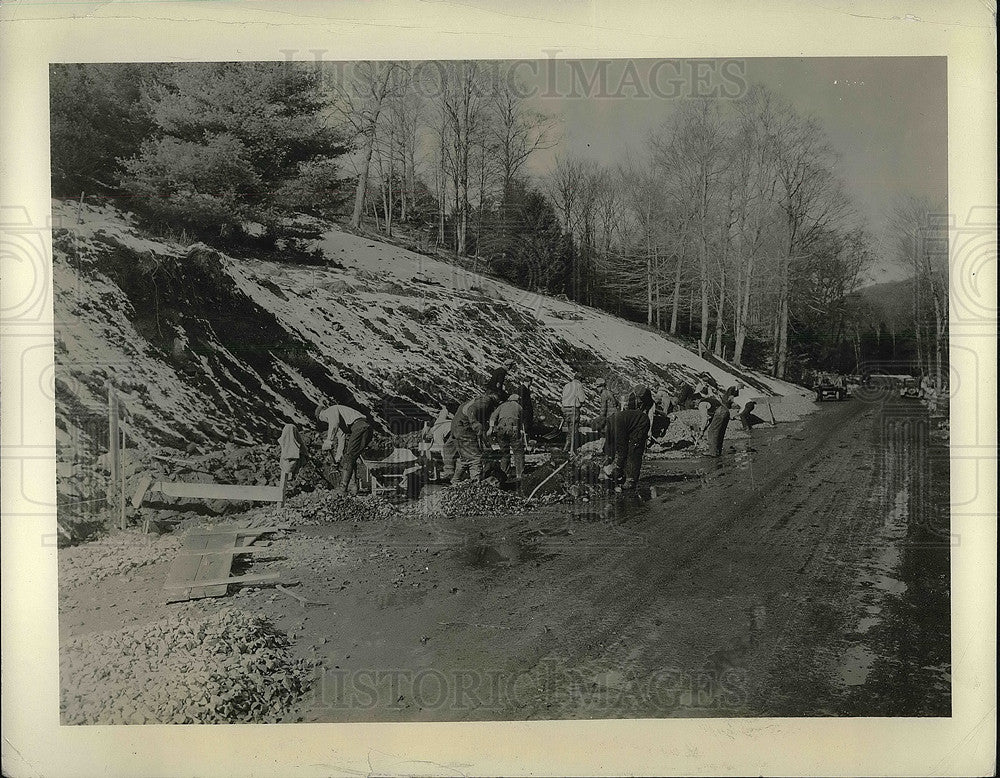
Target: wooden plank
(219, 491)
(257, 578)
(213, 567)
(238, 531)
(236, 550)
(185, 568)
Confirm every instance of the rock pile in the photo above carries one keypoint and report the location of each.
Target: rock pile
(228, 667)
(114, 555)
(472, 498)
(329, 506)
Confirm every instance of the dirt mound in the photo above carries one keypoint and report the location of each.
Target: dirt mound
(228, 667)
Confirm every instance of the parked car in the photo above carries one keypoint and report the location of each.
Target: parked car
(909, 387)
(829, 386)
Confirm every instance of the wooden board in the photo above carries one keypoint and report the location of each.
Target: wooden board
(192, 567)
(140, 491)
(237, 550)
(239, 579)
(218, 491)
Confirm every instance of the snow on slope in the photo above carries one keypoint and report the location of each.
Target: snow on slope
(208, 349)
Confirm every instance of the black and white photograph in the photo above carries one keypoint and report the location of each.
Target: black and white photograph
(425, 388)
(501, 390)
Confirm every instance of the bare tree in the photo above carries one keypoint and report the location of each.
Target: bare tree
(516, 131)
(922, 246)
(359, 99)
(689, 153)
(811, 198)
(462, 101)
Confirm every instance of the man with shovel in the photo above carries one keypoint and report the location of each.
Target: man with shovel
(353, 433)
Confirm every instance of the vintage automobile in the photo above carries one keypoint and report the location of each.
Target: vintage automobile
(909, 387)
(829, 386)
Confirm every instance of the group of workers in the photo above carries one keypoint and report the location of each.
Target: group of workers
(502, 414)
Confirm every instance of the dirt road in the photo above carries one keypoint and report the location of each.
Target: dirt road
(805, 576)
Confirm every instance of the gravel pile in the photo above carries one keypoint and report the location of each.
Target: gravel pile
(114, 555)
(472, 498)
(329, 506)
(228, 667)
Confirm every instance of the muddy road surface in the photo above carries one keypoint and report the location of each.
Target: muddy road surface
(803, 573)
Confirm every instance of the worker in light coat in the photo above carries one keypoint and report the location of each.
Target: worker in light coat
(507, 429)
(353, 434)
(573, 398)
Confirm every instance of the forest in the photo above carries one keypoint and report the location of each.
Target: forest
(730, 228)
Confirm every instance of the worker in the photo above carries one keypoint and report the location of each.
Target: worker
(527, 407)
(449, 448)
(434, 439)
(665, 400)
(686, 397)
(607, 405)
(573, 398)
(353, 433)
(498, 378)
(659, 418)
(628, 430)
(468, 428)
(716, 432)
(291, 451)
(507, 429)
(707, 405)
(748, 419)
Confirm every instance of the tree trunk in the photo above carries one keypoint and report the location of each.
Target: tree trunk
(649, 282)
(704, 259)
(361, 190)
(677, 293)
(743, 317)
(721, 311)
(656, 271)
(782, 360)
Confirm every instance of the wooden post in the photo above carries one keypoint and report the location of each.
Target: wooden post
(114, 465)
(122, 468)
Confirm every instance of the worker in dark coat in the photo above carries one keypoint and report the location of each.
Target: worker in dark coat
(527, 408)
(685, 398)
(468, 429)
(498, 378)
(716, 431)
(626, 442)
(748, 419)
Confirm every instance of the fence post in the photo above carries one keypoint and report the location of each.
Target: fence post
(122, 468)
(114, 463)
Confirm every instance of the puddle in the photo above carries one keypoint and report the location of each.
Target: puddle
(502, 553)
(856, 666)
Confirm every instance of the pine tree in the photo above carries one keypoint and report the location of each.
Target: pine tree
(235, 143)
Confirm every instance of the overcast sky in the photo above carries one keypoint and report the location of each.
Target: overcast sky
(887, 116)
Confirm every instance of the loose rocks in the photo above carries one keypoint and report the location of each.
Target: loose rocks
(325, 507)
(228, 667)
(114, 555)
(472, 498)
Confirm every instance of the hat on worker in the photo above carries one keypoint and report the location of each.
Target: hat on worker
(514, 398)
(319, 412)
